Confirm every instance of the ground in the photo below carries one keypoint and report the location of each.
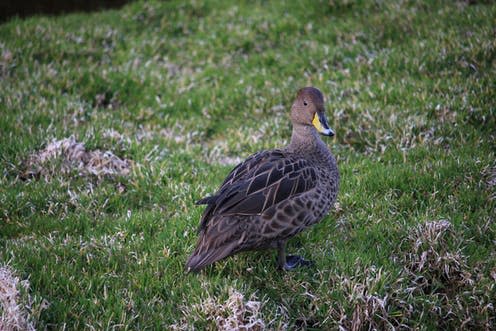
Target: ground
(114, 123)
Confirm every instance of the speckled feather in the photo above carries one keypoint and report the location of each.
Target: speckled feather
(272, 195)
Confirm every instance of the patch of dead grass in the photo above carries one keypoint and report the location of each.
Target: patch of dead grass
(441, 282)
(235, 313)
(13, 315)
(68, 155)
(435, 279)
(430, 264)
(369, 309)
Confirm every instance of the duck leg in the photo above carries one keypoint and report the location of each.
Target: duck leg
(281, 255)
(289, 262)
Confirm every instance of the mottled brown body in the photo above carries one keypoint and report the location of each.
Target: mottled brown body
(272, 195)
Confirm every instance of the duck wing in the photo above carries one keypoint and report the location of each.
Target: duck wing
(260, 182)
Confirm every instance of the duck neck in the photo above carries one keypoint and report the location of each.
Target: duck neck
(305, 137)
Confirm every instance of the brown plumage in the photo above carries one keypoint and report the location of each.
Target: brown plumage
(272, 195)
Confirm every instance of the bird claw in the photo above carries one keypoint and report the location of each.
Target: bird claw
(295, 261)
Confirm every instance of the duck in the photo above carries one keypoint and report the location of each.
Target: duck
(274, 194)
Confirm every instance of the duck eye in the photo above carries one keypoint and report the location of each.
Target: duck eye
(305, 103)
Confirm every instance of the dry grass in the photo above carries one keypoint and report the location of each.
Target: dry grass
(430, 264)
(13, 314)
(365, 308)
(235, 313)
(441, 283)
(435, 280)
(67, 155)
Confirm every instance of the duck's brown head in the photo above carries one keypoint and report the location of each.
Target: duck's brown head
(308, 109)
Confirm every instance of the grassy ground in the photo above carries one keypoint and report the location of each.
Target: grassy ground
(183, 91)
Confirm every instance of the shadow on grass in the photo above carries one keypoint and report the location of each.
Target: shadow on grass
(22, 9)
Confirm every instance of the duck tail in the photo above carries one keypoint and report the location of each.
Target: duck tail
(202, 258)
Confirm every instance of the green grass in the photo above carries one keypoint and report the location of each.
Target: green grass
(410, 90)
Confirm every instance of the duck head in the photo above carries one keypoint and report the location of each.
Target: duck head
(308, 109)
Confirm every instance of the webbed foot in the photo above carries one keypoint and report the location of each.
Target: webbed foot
(295, 261)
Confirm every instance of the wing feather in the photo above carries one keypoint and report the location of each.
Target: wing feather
(260, 182)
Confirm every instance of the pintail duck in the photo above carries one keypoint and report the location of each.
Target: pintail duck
(272, 195)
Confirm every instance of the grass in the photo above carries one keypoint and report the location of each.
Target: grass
(183, 90)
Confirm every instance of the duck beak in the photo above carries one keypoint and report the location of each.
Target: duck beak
(320, 123)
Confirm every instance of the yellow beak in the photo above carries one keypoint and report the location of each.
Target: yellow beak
(320, 123)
